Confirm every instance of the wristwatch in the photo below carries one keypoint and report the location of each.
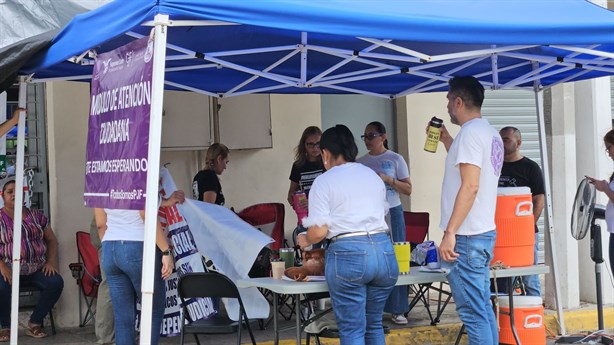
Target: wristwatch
(167, 252)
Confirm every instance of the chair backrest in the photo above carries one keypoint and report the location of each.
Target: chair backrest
(416, 226)
(269, 218)
(206, 284)
(89, 256)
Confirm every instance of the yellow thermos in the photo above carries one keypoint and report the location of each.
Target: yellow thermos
(432, 138)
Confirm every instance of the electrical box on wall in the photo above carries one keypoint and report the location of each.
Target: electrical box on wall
(186, 121)
(245, 122)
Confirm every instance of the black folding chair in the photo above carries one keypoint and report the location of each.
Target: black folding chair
(210, 284)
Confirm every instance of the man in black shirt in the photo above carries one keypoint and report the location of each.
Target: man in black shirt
(520, 171)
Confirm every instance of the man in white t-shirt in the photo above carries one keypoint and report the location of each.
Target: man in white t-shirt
(468, 201)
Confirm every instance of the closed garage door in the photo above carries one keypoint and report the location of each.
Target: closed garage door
(517, 108)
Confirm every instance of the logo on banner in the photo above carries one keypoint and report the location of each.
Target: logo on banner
(148, 52)
(118, 132)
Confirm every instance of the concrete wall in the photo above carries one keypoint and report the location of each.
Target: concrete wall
(253, 176)
(261, 175)
(67, 116)
(592, 97)
(426, 168)
(256, 176)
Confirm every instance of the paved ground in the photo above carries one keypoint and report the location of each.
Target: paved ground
(418, 331)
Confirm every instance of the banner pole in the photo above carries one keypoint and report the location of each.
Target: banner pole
(21, 133)
(153, 172)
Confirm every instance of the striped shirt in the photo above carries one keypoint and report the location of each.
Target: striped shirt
(33, 245)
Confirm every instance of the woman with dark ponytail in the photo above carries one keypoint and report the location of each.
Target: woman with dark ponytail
(347, 206)
(608, 188)
(393, 170)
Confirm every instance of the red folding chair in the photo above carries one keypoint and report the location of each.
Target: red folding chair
(269, 218)
(88, 275)
(416, 226)
(416, 231)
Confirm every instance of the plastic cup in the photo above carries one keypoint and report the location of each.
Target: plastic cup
(277, 269)
(402, 251)
(287, 255)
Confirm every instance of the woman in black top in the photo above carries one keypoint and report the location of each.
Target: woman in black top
(307, 162)
(206, 186)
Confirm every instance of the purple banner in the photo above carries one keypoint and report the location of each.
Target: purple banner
(118, 132)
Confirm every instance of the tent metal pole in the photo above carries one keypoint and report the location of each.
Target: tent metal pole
(21, 134)
(153, 173)
(494, 63)
(549, 231)
(303, 59)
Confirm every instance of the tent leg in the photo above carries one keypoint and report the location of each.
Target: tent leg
(21, 133)
(549, 231)
(153, 173)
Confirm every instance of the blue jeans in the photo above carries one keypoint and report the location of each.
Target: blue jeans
(611, 251)
(470, 285)
(361, 271)
(122, 262)
(398, 302)
(531, 283)
(51, 289)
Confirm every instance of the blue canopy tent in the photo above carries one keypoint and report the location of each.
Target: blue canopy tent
(384, 48)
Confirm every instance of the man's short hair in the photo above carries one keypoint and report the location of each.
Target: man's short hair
(515, 130)
(469, 90)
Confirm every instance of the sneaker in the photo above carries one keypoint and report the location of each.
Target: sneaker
(399, 319)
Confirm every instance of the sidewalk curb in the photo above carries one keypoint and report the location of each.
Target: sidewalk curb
(575, 321)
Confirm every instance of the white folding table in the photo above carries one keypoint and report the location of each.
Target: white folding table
(286, 287)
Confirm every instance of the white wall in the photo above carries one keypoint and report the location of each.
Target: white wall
(262, 175)
(67, 115)
(356, 111)
(253, 176)
(562, 155)
(426, 168)
(593, 121)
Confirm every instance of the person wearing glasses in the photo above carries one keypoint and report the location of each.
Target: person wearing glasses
(306, 167)
(394, 172)
(347, 206)
(607, 187)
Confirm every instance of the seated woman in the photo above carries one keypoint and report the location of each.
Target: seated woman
(39, 263)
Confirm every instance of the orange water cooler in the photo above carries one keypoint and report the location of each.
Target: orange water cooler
(515, 227)
(528, 319)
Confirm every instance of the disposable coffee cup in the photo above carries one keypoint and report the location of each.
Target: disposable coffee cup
(277, 269)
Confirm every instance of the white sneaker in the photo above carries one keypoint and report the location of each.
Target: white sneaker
(399, 319)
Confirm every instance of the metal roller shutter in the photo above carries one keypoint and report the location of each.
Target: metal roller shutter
(517, 108)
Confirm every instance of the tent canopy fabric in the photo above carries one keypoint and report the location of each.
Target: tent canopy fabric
(28, 26)
(387, 48)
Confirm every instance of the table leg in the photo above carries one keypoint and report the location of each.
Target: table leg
(510, 291)
(275, 321)
(298, 319)
(421, 296)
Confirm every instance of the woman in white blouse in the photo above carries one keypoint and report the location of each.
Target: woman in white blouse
(347, 206)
